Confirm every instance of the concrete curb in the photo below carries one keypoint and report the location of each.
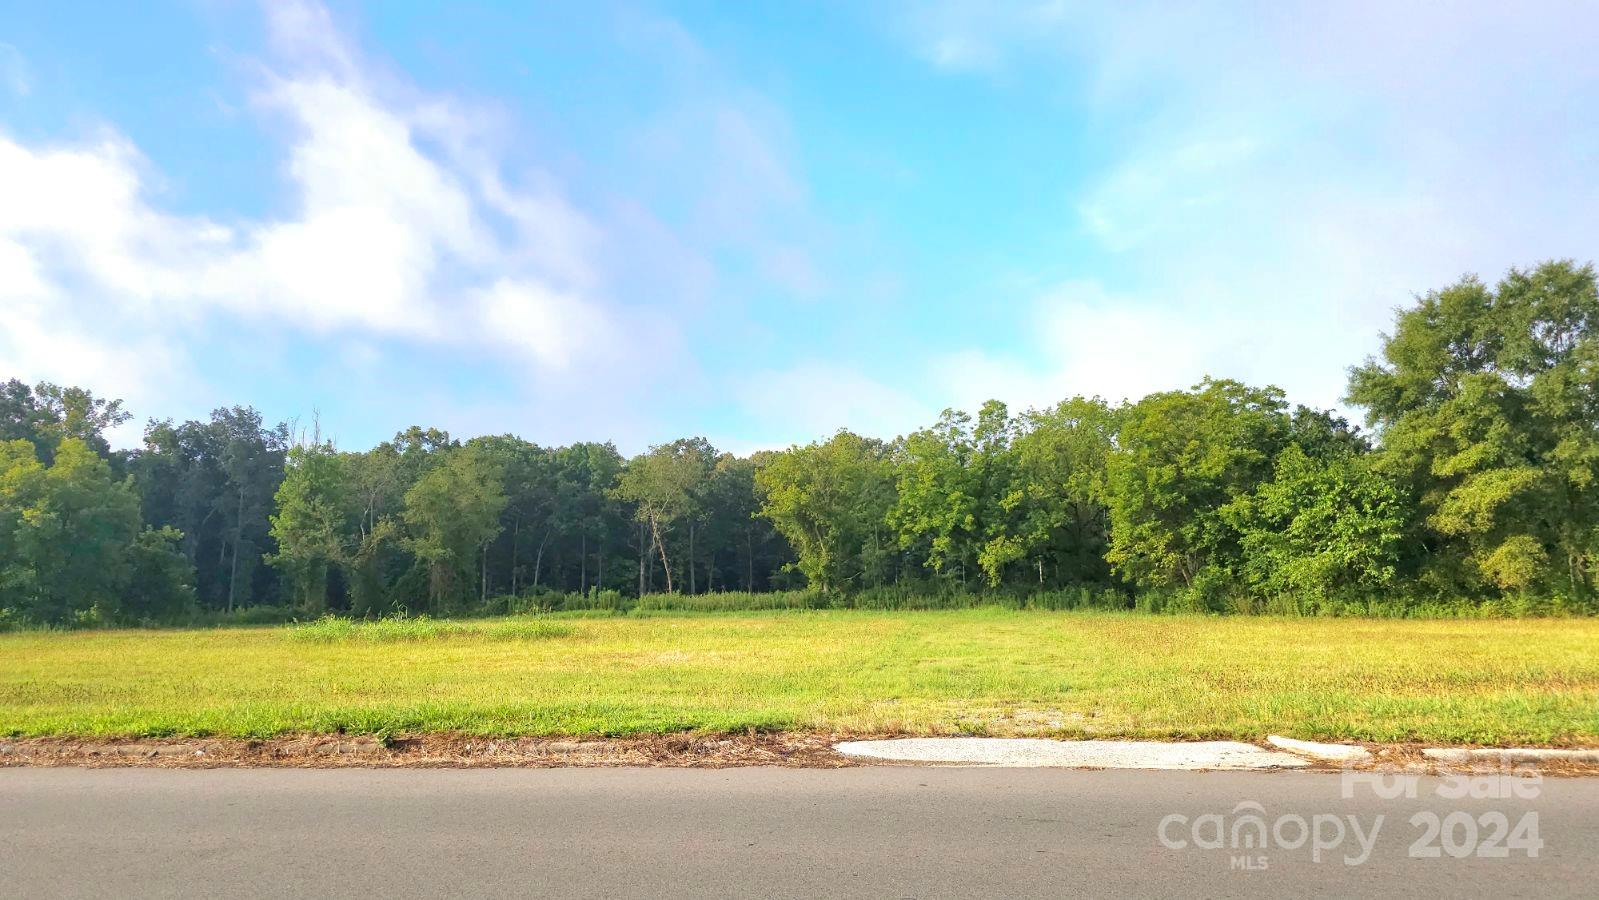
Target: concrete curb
(1038, 752)
(1351, 753)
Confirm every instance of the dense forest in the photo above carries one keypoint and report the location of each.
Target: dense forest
(1474, 485)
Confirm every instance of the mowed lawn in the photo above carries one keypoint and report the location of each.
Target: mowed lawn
(980, 671)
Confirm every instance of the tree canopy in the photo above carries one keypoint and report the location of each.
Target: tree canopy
(1476, 482)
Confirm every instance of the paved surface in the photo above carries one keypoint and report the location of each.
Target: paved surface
(866, 832)
(1029, 752)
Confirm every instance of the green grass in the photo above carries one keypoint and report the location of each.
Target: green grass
(331, 630)
(984, 671)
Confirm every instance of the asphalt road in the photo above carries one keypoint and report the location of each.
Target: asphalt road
(868, 832)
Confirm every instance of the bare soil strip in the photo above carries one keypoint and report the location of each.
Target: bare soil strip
(810, 750)
(805, 750)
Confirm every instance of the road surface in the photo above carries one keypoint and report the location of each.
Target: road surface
(866, 832)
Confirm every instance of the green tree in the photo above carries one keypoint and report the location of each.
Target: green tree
(310, 525)
(588, 473)
(1487, 405)
(65, 532)
(160, 580)
(1321, 528)
(47, 413)
(214, 481)
(533, 510)
(952, 482)
(451, 513)
(375, 555)
(1182, 456)
(831, 501)
(734, 532)
(664, 484)
(1056, 517)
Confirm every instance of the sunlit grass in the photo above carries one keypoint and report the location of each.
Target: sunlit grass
(984, 671)
(331, 629)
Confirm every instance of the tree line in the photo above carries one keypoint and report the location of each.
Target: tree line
(1474, 483)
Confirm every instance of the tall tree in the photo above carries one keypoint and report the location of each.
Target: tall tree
(530, 515)
(953, 478)
(733, 533)
(664, 485)
(831, 501)
(451, 513)
(252, 459)
(214, 481)
(587, 474)
(46, 414)
(1056, 516)
(160, 580)
(1183, 456)
(65, 533)
(311, 524)
(1486, 401)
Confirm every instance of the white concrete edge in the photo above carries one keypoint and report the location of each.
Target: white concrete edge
(1201, 755)
(1080, 754)
(1320, 751)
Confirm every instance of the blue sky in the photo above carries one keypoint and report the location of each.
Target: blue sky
(758, 222)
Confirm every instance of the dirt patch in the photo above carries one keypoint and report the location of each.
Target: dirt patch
(1409, 759)
(811, 750)
(799, 750)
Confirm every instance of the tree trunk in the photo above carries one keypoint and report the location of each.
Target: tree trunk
(666, 566)
(440, 585)
(516, 536)
(483, 568)
(692, 587)
(749, 562)
(538, 560)
(641, 559)
(222, 555)
(583, 564)
(238, 535)
(191, 538)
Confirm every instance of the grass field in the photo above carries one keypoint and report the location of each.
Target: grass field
(977, 671)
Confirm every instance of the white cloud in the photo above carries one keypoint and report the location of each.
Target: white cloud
(556, 329)
(813, 399)
(375, 220)
(1279, 176)
(1094, 344)
(303, 32)
(384, 237)
(44, 339)
(1143, 198)
(1086, 341)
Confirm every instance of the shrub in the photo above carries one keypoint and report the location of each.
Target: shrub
(396, 629)
(731, 601)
